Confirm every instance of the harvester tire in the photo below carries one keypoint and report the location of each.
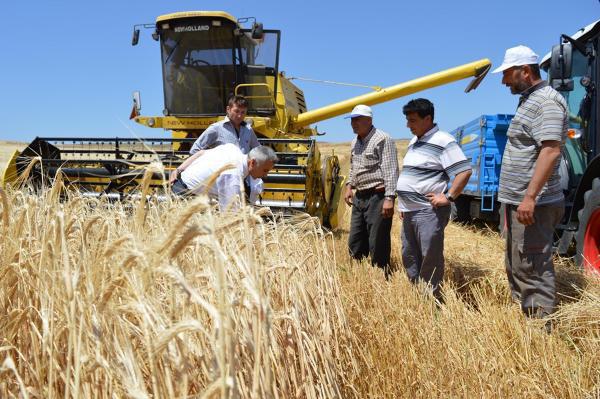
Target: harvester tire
(329, 174)
(588, 235)
(330, 171)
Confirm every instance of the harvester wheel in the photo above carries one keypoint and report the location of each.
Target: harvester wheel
(588, 235)
(330, 169)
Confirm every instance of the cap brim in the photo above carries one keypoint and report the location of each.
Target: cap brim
(355, 115)
(502, 67)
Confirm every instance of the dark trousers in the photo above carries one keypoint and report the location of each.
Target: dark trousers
(369, 231)
(180, 189)
(423, 246)
(529, 265)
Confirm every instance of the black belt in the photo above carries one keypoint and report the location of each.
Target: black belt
(370, 191)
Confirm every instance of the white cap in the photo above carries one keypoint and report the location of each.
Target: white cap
(360, 110)
(517, 56)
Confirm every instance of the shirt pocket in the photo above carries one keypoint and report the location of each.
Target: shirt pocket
(370, 157)
(519, 134)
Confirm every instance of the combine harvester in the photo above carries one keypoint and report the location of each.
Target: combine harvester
(206, 57)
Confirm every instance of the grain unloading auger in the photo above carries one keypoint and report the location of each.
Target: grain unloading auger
(207, 57)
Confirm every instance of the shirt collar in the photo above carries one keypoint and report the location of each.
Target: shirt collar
(368, 136)
(227, 120)
(431, 131)
(525, 94)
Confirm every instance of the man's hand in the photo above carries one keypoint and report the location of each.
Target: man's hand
(437, 200)
(348, 195)
(173, 176)
(387, 210)
(525, 211)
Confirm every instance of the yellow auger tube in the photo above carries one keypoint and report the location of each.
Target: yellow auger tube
(476, 69)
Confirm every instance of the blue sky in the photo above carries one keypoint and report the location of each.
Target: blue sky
(68, 67)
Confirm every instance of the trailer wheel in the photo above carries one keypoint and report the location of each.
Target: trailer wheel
(588, 235)
(460, 210)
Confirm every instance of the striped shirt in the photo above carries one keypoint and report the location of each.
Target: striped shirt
(428, 164)
(374, 162)
(541, 116)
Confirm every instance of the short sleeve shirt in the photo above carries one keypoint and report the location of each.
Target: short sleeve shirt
(541, 116)
(428, 164)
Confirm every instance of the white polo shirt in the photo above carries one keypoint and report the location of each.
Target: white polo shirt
(228, 184)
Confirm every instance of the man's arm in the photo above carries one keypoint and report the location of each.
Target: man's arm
(206, 140)
(544, 166)
(389, 167)
(184, 165)
(390, 171)
(456, 164)
(459, 183)
(349, 182)
(253, 139)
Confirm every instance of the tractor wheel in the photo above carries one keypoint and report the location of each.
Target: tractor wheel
(588, 235)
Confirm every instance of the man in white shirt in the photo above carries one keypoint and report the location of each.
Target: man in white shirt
(220, 171)
(424, 198)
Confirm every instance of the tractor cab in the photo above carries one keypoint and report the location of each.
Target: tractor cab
(207, 57)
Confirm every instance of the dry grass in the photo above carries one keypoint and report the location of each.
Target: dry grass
(172, 300)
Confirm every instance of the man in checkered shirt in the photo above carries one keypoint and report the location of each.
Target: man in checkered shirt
(373, 176)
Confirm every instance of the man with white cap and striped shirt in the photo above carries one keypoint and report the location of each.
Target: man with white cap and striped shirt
(373, 175)
(530, 183)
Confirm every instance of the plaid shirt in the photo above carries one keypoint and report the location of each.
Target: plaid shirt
(374, 163)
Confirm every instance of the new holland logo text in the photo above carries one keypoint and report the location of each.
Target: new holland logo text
(191, 28)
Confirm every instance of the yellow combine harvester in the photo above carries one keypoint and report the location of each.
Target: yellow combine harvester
(206, 57)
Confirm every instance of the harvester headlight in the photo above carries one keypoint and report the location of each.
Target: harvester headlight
(151, 122)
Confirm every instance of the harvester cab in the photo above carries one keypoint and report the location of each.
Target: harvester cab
(206, 57)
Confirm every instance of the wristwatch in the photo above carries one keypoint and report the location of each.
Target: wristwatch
(391, 197)
(450, 197)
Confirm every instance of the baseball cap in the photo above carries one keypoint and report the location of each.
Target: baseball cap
(517, 56)
(360, 110)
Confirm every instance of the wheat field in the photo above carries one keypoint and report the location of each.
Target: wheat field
(172, 300)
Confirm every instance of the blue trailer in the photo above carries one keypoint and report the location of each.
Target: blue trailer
(483, 141)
